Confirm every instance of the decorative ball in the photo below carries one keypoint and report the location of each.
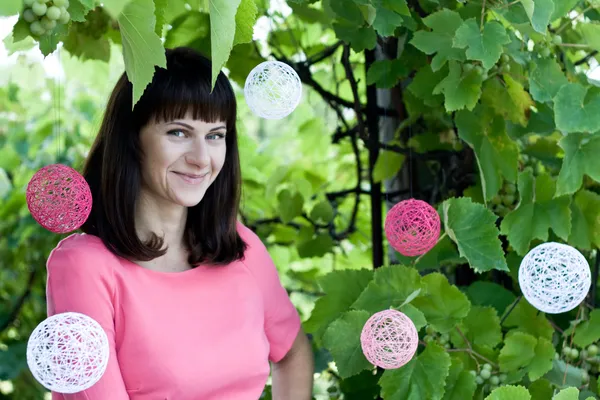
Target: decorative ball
(68, 352)
(59, 198)
(412, 227)
(389, 339)
(273, 90)
(554, 277)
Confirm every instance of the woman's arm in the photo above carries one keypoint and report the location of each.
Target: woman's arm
(293, 374)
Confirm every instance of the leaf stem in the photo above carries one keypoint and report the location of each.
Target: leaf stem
(482, 15)
(442, 236)
(512, 307)
(577, 45)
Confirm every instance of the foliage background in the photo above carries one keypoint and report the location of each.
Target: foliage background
(487, 110)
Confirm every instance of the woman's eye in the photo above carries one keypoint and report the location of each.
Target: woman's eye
(177, 133)
(216, 136)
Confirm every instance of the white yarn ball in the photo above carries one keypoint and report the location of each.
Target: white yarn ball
(68, 352)
(554, 277)
(273, 90)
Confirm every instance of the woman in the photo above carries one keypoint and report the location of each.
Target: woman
(188, 296)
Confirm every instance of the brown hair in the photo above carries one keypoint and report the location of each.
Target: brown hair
(112, 168)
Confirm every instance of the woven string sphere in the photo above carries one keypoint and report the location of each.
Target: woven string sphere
(68, 352)
(389, 339)
(554, 277)
(412, 227)
(59, 198)
(273, 90)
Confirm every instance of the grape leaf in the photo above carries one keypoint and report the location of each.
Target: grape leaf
(114, 7)
(289, 204)
(359, 39)
(545, 79)
(542, 360)
(460, 384)
(539, 13)
(461, 89)
(245, 18)
(517, 352)
(142, 48)
(484, 293)
(562, 7)
(567, 394)
(589, 331)
(342, 339)
(581, 157)
(528, 320)
(49, 42)
(387, 165)
(509, 100)
(387, 17)
(481, 327)
(390, 287)
(585, 210)
(222, 32)
(483, 46)
(509, 393)
(443, 25)
(541, 390)
(386, 73)
(575, 110)
(561, 370)
(85, 47)
(422, 378)
(10, 7)
(160, 11)
(342, 288)
(472, 227)
(497, 155)
(415, 315)
(443, 304)
(591, 34)
(537, 212)
(78, 9)
(423, 83)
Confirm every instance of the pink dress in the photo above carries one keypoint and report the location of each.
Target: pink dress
(203, 334)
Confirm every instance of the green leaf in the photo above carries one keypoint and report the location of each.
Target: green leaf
(537, 212)
(472, 227)
(49, 42)
(387, 17)
(509, 393)
(564, 375)
(342, 338)
(484, 293)
(222, 32)
(289, 205)
(422, 378)
(245, 18)
(443, 304)
(142, 48)
(591, 34)
(342, 288)
(415, 315)
(509, 100)
(423, 83)
(160, 14)
(10, 7)
(347, 10)
(581, 157)
(528, 320)
(390, 287)
(481, 328)
(188, 29)
(589, 331)
(497, 155)
(483, 46)
(518, 351)
(562, 7)
(545, 79)
(322, 212)
(541, 390)
(78, 9)
(576, 110)
(585, 231)
(460, 384)
(567, 394)
(386, 73)
(114, 7)
(443, 25)
(539, 13)
(363, 38)
(387, 165)
(461, 89)
(315, 247)
(542, 360)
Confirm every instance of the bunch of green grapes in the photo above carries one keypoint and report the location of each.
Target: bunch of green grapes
(432, 336)
(488, 378)
(44, 15)
(587, 359)
(506, 200)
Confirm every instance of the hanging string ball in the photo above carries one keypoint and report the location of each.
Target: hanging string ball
(389, 339)
(273, 90)
(554, 277)
(412, 227)
(59, 198)
(68, 352)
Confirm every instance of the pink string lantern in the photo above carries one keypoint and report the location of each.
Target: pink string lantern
(412, 227)
(59, 198)
(389, 339)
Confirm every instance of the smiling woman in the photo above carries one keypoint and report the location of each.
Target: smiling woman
(189, 297)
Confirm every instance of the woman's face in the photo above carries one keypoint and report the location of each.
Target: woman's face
(181, 158)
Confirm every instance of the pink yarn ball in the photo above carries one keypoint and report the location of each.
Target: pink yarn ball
(389, 339)
(412, 227)
(59, 198)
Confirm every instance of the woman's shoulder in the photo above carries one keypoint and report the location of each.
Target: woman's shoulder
(81, 250)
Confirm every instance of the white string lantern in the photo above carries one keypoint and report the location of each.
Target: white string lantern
(68, 352)
(273, 90)
(554, 277)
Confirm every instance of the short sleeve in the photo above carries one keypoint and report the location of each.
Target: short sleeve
(80, 279)
(282, 321)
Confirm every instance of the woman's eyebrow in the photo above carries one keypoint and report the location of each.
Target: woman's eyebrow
(192, 128)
